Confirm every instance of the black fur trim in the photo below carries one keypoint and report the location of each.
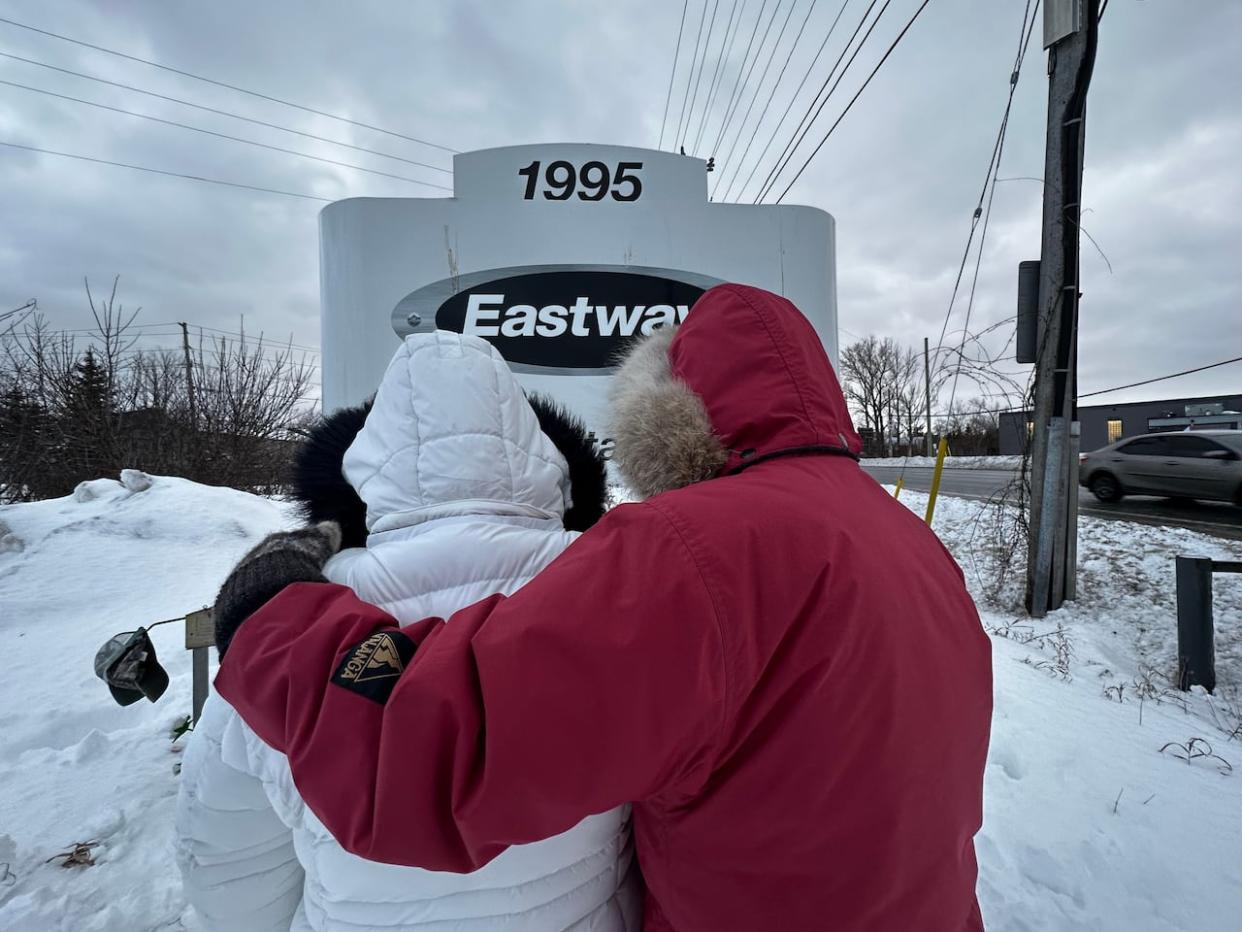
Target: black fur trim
(319, 482)
(588, 473)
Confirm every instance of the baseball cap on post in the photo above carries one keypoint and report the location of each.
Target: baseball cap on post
(127, 663)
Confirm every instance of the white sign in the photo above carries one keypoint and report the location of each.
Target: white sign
(560, 256)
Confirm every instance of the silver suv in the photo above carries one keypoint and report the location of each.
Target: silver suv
(1203, 464)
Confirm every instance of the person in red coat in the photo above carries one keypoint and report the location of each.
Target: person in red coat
(776, 663)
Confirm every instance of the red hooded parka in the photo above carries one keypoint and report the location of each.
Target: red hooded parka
(780, 667)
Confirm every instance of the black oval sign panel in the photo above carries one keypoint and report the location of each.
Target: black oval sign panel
(570, 319)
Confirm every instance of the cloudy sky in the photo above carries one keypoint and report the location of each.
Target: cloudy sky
(901, 174)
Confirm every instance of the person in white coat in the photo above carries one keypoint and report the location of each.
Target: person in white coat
(451, 490)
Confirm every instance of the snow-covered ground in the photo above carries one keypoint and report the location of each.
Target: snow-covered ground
(950, 462)
(1088, 824)
(75, 766)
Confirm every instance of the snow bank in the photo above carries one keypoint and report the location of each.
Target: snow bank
(950, 462)
(1087, 823)
(74, 766)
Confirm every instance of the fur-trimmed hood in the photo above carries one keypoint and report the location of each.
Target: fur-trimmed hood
(744, 379)
(325, 494)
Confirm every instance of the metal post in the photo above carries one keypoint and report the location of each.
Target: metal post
(1071, 521)
(201, 680)
(1196, 650)
(1050, 570)
(200, 635)
(1043, 538)
(927, 390)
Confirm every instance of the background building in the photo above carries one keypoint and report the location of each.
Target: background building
(1104, 424)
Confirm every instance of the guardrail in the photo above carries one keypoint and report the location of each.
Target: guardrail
(1196, 639)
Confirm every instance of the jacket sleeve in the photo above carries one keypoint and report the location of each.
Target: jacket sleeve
(238, 866)
(600, 682)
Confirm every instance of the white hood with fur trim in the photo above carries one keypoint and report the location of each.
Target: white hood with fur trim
(464, 497)
(450, 432)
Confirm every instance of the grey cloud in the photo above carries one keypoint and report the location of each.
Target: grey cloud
(901, 174)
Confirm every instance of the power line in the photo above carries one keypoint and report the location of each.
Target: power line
(987, 216)
(737, 80)
(726, 46)
(880, 64)
(989, 177)
(1028, 15)
(711, 27)
(209, 132)
(231, 87)
(1173, 375)
(144, 331)
(170, 174)
(218, 112)
(808, 118)
(793, 99)
(239, 335)
(672, 74)
(768, 103)
(840, 77)
(689, 77)
(724, 130)
(741, 128)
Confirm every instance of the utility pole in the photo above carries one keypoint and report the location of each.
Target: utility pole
(1070, 35)
(189, 374)
(927, 436)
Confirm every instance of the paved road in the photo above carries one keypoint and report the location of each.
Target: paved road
(1209, 517)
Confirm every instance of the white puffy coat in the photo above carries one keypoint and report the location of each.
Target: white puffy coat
(464, 498)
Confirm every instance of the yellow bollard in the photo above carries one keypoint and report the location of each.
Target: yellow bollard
(897, 491)
(935, 489)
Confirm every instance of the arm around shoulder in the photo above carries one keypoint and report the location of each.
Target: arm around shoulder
(600, 682)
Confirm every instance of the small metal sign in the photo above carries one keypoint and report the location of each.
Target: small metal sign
(200, 629)
(1061, 18)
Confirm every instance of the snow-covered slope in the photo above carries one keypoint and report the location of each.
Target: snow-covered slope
(75, 766)
(1088, 825)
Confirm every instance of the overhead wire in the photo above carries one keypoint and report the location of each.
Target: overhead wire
(219, 112)
(794, 98)
(726, 45)
(160, 171)
(673, 74)
(823, 103)
(763, 111)
(1162, 378)
(1029, 17)
(711, 27)
(737, 79)
(225, 84)
(989, 178)
(746, 81)
(210, 132)
(880, 64)
(741, 128)
(811, 113)
(690, 77)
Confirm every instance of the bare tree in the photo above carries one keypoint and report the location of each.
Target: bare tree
(247, 400)
(867, 369)
(71, 412)
(883, 384)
